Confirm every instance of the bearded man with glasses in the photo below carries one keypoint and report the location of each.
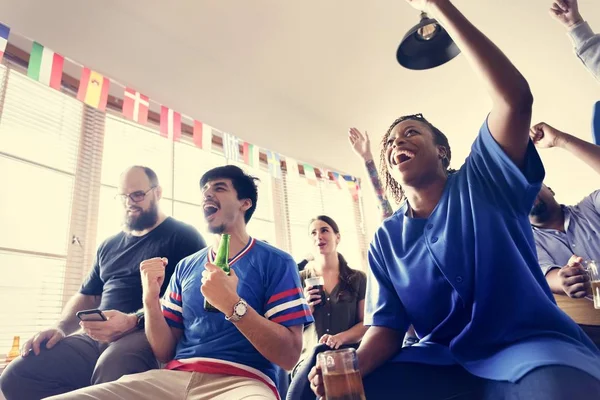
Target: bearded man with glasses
(63, 357)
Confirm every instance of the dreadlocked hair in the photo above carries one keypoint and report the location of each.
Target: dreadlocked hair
(390, 184)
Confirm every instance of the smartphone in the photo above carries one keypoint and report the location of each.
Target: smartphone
(91, 315)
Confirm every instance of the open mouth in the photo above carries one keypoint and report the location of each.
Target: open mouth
(210, 210)
(322, 244)
(402, 156)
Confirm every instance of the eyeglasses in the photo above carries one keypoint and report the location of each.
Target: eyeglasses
(136, 197)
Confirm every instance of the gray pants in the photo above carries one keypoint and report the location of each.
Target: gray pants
(75, 362)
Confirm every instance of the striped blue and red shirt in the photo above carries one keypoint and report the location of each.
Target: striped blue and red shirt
(268, 281)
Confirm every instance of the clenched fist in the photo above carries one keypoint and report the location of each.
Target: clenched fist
(574, 279)
(153, 276)
(545, 136)
(566, 12)
(219, 288)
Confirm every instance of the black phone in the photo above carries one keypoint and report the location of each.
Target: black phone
(91, 315)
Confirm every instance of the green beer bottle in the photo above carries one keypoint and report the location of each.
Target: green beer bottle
(221, 261)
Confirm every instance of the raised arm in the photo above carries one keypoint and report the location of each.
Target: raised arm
(586, 43)
(545, 136)
(510, 117)
(362, 147)
(162, 336)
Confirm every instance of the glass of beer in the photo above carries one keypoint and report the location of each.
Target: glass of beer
(341, 376)
(316, 283)
(591, 266)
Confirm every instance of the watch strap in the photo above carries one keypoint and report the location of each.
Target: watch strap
(234, 315)
(140, 319)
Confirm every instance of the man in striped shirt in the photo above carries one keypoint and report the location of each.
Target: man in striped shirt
(234, 353)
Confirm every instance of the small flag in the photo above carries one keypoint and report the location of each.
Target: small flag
(309, 173)
(274, 164)
(203, 135)
(170, 123)
(337, 179)
(352, 186)
(4, 32)
(231, 147)
(251, 154)
(292, 168)
(93, 89)
(45, 66)
(325, 175)
(135, 106)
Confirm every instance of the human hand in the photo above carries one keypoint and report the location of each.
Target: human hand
(315, 377)
(545, 136)
(312, 296)
(153, 277)
(51, 336)
(220, 289)
(360, 144)
(116, 325)
(425, 5)
(333, 341)
(574, 279)
(566, 12)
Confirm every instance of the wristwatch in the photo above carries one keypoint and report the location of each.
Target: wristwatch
(239, 310)
(140, 319)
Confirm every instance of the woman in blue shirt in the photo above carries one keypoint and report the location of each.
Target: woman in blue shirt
(458, 260)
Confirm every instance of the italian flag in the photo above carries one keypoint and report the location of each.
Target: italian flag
(251, 154)
(45, 66)
(309, 173)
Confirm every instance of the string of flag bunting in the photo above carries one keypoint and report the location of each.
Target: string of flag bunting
(46, 67)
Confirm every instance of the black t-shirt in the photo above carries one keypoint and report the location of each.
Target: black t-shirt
(116, 272)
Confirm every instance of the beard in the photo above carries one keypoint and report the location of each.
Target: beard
(539, 210)
(146, 219)
(219, 229)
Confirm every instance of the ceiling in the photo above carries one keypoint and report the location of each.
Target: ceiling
(293, 76)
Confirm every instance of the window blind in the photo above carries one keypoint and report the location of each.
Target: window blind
(40, 131)
(305, 201)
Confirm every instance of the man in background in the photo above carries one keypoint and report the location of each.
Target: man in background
(586, 43)
(565, 236)
(61, 359)
(236, 352)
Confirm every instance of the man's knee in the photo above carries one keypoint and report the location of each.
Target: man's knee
(129, 355)
(11, 380)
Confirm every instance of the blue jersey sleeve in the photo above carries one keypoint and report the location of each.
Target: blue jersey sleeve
(172, 305)
(382, 304)
(494, 177)
(286, 304)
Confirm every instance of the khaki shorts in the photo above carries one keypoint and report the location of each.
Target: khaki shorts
(161, 384)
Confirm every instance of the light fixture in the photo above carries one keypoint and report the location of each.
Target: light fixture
(426, 45)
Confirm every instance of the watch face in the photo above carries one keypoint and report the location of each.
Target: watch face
(240, 309)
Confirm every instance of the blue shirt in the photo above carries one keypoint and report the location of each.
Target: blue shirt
(467, 277)
(581, 236)
(270, 284)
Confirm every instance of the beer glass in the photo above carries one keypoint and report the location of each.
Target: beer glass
(592, 268)
(316, 283)
(341, 376)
